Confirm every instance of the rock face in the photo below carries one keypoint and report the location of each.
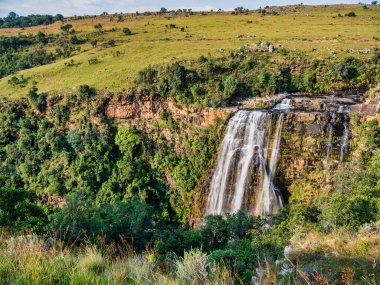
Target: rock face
(315, 137)
(315, 141)
(150, 107)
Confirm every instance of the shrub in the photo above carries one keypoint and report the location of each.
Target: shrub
(111, 43)
(230, 86)
(214, 232)
(18, 210)
(147, 75)
(340, 211)
(18, 81)
(127, 31)
(93, 60)
(38, 101)
(79, 220)
(193, 268)
(347, 69)
(86, 92)
(350, 14)
(177, 77)
(176, 240)
(91, 261)
(239, 257)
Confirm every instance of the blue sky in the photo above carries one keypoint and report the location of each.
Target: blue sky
(90, 7)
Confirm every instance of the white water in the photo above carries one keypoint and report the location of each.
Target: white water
(244, 137)
(285, 104)
(344, 144)
(244, 149)
(345, 140)
(271, 200)
(329, 145)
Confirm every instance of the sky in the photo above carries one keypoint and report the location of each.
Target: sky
(92, 7)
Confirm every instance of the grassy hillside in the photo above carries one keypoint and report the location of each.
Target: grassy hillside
(316, 29)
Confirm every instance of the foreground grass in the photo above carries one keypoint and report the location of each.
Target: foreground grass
(315, 29)
(316, 258)
(353, 258)
(33, 260)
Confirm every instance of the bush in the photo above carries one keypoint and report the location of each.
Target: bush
(177, 77)
(193, 268)
(147, 75)
(79, 220)
(239, 257)
(19, 211)
(349, 213)
(91, 261)
(350, 14)
(176, 240)
(86, 92)
(127, 31)
(347, 69)
(82, 219)
(230, 86)
(38, 101)
(93, 60)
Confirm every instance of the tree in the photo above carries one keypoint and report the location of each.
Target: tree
(12, 15)
(66, 28)
(230, 86)
(19, 210)
(341, 211)
(163, 10)
(99, 27)
(38, 101)
(147, 75)
(86, 92)
(374, 3)
(41, 37)
(94, 43)
(59, 17)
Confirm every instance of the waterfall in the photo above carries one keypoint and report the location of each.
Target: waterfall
(271, 200)
(284, 104)
(345, 140)
(243, 153)
(329, 141)
(240, 149)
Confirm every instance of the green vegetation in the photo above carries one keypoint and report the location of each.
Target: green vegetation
(97, 183)
(15, 21)
(85, 198)
(211, 82)
(312, 29)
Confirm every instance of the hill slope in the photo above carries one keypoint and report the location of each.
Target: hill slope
(164, 38)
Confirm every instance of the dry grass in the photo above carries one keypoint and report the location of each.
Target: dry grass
(364, 244)
(315, 29)
(34, 260)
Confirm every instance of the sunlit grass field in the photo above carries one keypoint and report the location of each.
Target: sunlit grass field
(315, 29)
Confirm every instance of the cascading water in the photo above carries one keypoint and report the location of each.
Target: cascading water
(329, 143)
(345, 140)
(240, 151)
(285, 104)
(244, 151)
(271, 199)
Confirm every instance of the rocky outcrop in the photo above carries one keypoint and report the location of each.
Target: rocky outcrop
(150, 108)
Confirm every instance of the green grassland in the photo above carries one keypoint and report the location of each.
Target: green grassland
(315, 29)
